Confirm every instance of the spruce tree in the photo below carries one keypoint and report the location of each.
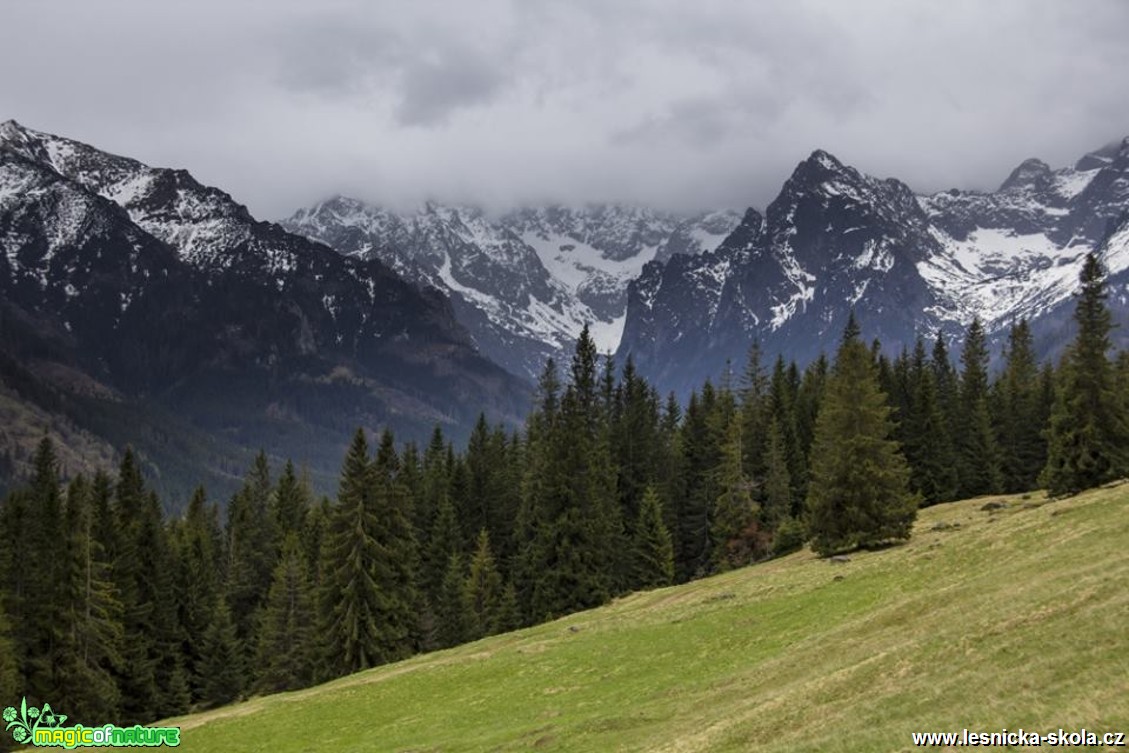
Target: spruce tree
(313, 532)
(859, 492)
(290, 503)
(134, 580)
(199, 584)
(482, 591)
(445, 539)
(481, 473)
(1023, 450)
(16, 597)
(654, 549)
(156, 588)
(698, 492)
(540, 488)
(777, 493)
(223, 668)
(287, 640)
(92, 616)
(945, 376)
(43, 622)
(979, 470)
(734, 510)
(509, 611)
(508, 450)
(450, 611)
(252, 550)
(635, 441)
(351, 601)
(397, 567)
(754, 411)
(1088, 436)
(434, 485)
(927, 443)
(808, 399)
(572, 486)
(782, 409)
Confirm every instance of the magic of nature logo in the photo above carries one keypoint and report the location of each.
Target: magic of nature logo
(43, 727)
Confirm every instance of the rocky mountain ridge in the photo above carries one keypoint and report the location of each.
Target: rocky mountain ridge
(836, 239)
(163, 290)
(523, 283)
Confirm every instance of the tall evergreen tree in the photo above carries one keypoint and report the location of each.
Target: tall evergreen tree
(777, 493)
(948, 385)
(286, 654)
(1088, 437)
(445, 539)
(573, 554)
(197, 543)
(351, 601)
(91, 628)
(156, 589)
(926, 440)
(979, 470)
(693, 506)
(43, 622)
(654, 549)
(450, 610)
(1020, 414)
(252, 551)
(482, 591)
(290, 503)
(541, 485)
(138, 679)
(859, 492)
(434, 483)
(782, 409)
(635, 438)
(808, 399)
(755, 409)
(16, 591)
(223, 668)
(734, 510)
(397, 569)
(481, 472)
(509, 611)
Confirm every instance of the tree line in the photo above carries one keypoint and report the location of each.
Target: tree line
(112, 612)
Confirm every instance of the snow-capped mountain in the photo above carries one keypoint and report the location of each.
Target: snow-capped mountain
(523, 283)
(835, 239)
(162, 289)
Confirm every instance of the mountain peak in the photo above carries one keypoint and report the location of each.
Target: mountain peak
(824, 159)
(11, 131)
(1030, 173)
(1103, 156)
(819, 168)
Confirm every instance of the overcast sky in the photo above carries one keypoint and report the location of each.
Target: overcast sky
(677, 104)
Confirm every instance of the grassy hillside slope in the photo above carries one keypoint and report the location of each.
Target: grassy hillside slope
(1014, 617)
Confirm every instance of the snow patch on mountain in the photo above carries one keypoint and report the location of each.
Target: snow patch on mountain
(1069, 182)
(577, 265)
(993, 274)
(527, 281)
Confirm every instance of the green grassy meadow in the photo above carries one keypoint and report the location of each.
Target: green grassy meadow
(1016, 617)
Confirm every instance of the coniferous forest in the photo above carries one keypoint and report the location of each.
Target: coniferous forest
(111, 611)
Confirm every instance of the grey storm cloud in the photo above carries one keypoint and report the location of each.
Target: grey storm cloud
(502, 102)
